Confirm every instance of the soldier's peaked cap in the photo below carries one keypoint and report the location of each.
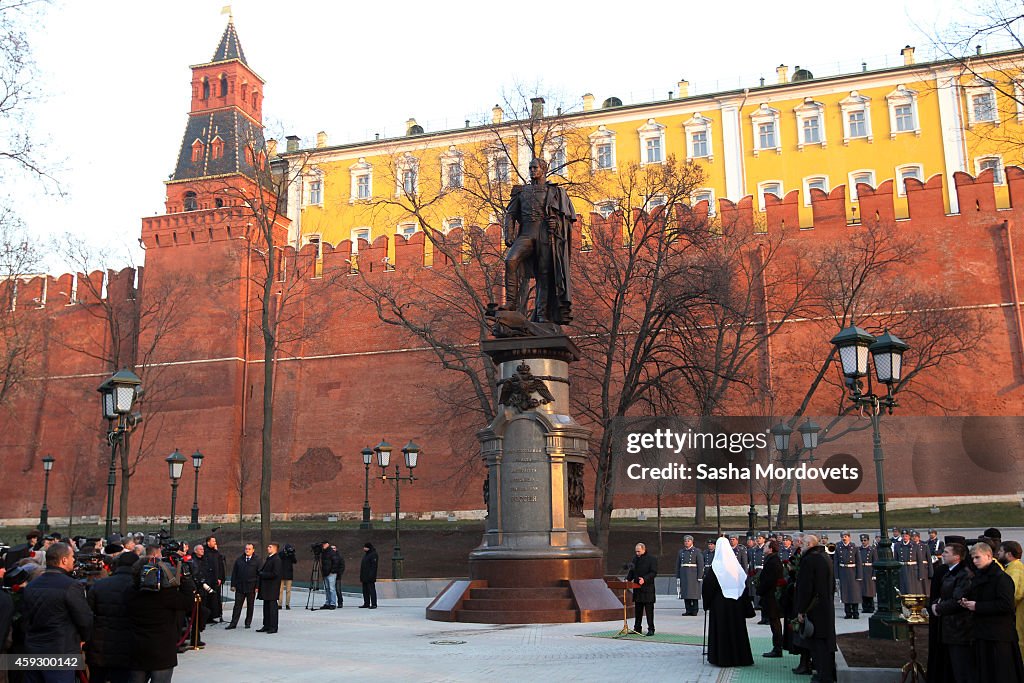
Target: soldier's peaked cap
(687, 537)
(865, 537)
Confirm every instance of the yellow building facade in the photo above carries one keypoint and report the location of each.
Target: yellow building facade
(800, 133)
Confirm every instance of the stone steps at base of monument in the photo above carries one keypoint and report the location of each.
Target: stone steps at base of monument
(520, 593)
(517, 617)
(518, 604)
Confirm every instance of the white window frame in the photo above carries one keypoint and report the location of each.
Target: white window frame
(449, 158)
(1018, 98)
(603, 136)
(810, 110)
(853, 185)
(807, 186)
(654, 132)
(762, 115)
(606, 203)
(449, 224)
(360, 169)
(496, 159)
(318, 239)
(403, 229)
(405, 163)
(698, 123)
(852, 104)
(695, 198)
(901, 188)
(998, 158)
(554, 167)
(310, 181)
(658, 199)
(980, 87)
(903, 95)
(762, 186)
(354, 237)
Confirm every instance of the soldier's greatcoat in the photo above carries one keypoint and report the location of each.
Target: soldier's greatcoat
(848, 570)
(690, 572)
(867, 576)
(910, 555)
(709, 557)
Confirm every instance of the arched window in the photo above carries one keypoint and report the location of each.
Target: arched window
(254, 96)
(206, 89)
(245, 91)
(223, 85)
(197, 152)
(217, 148)
(191, 202)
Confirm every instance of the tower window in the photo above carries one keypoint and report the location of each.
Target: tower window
(217, 148)
(206, 89)
(197, 152)
(191, 202)
(223, 85)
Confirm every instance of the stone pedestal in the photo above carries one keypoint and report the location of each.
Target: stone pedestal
(536, 563)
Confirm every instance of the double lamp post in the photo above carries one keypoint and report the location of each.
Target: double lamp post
(383, 452)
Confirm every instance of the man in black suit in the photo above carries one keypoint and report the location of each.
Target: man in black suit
(270, 588)
(642, 570)
(815, 591)
(244, 579)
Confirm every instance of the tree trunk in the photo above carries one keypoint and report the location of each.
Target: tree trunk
(269, 347)
(661, 527)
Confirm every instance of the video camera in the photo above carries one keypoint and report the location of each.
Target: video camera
(317, 548)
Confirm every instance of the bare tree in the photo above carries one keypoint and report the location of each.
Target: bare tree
(20, 332)
(140, 322)
(867, 280)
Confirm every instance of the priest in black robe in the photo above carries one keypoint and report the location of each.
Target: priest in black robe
(727, 604)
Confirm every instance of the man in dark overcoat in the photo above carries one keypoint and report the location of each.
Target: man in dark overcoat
(217, 568)
(690, 572)
(642, 570)
(709, 557)
(109, 650)
(815, 590)
(868, 554)
(270, 588)
(244, 581)
(767, 588)
(848, 570)
(949, 632)
(990, 599)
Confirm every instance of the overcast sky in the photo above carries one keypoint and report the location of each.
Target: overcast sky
(116, 81)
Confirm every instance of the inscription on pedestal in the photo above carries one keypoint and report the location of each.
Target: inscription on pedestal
(525, 478)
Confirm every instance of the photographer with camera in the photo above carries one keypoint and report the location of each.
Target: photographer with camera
(244, 579)
(156, 607)
(109, 649)
(327, 569)
(55, 615)
(288, 561)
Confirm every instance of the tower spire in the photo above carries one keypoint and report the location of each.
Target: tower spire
(229, 47)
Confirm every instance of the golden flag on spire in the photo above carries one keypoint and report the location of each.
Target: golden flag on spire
(226, 9)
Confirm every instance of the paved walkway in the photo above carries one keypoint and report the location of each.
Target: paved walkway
(396, 643)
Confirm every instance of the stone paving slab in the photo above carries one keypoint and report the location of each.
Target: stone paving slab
(396, 643)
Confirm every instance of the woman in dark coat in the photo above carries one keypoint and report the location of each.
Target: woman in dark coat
(767, 584)
(368, 576)
(990, 598)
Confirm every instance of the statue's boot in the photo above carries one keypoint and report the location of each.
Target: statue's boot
(541, 308)
(511, 289)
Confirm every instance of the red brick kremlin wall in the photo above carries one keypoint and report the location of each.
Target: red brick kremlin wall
(359, 381)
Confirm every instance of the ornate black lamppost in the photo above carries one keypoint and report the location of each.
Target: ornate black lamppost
(175, 463)
(854, 345)
(44, 514)
(411, 452)
(752, 512)
(118, 395)
(197, 462)
(809, 435)
(367, 454)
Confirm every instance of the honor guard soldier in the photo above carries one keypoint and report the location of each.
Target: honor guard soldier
(908, 553)
(868, 555)
(690, 572)
(895, 537)
(755, 555)
(739, 550)
(709, 557)
(786, 551)
(924, 565)
(935, 548)
(848, 571)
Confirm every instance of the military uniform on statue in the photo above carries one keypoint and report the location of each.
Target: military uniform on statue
(868, 554)
(728, 605)
(848, 570)
(690, 572)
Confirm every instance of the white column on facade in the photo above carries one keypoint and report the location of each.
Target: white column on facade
(954, 147)
(294, 203)
(732, 143)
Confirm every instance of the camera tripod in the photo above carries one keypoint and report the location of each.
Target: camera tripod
(316, 582)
